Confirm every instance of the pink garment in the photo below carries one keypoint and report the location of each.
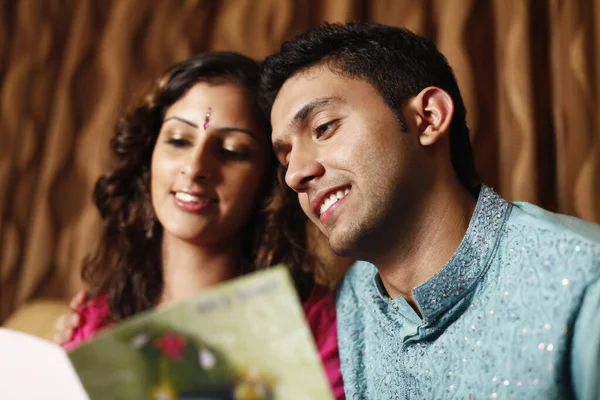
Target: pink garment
(94, 317)
(320, 313)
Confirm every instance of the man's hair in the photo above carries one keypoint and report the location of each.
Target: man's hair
(397, 62)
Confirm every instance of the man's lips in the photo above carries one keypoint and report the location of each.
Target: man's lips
(326, 198)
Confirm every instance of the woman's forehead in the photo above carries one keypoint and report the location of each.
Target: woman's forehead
(225, 102)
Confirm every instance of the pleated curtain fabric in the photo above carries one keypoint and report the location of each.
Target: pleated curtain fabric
(528, 71)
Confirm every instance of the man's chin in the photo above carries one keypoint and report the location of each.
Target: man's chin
(342, 247)
(351, 242)
(341, 240)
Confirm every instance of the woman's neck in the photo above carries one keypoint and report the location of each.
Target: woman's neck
(189, 268)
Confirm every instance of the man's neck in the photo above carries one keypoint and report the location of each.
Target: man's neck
(189, 268)
(436, 234)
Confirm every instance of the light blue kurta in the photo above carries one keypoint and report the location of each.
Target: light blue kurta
(515, 314)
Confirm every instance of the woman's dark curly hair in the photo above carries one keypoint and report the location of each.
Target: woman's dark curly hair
(126, 266)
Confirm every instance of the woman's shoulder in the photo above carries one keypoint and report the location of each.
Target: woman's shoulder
(97, 309)
(319, 308)
(321, 301)
(94, 316)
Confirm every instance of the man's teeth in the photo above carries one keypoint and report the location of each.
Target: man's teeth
(190, 198)
(333, 198)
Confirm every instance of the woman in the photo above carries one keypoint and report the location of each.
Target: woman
(195, 200)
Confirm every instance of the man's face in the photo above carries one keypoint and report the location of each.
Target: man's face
(356, 173)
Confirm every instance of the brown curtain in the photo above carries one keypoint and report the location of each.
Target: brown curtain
(527, 70)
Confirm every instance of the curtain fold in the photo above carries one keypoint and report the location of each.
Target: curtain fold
(69, 69)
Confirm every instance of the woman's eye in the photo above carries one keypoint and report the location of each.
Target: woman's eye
(234, 155)
(179, 142)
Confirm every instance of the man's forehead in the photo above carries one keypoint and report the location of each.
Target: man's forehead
(307, 86)
(297, 86)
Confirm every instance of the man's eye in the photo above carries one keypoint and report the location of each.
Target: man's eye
(324, 128)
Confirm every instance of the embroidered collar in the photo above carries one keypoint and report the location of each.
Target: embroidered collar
(469, 262)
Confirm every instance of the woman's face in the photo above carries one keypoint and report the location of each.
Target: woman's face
(208, 164)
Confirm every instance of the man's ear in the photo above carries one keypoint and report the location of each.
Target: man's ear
(435, 109)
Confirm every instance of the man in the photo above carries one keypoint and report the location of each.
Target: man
(461, 293)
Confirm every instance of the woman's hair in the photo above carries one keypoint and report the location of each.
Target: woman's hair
(127, 266)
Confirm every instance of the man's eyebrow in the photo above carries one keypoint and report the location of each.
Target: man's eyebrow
(309, 108)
